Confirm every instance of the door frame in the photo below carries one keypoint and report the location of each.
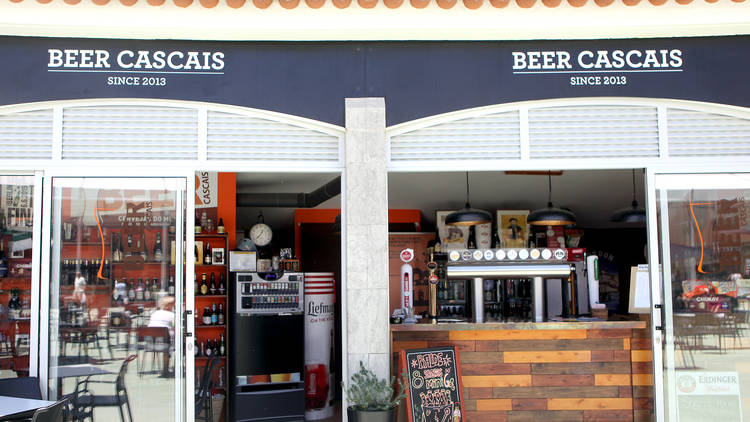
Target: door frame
(661, 321)
(184, 402)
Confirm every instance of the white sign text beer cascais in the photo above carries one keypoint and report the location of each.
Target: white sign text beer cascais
(141, 60)
(597, 60)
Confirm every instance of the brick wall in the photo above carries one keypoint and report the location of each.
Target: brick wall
(548, 375)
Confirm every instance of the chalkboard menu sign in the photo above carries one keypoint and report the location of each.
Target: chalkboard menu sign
(433, 383)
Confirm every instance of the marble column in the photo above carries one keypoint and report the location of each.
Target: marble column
(366, 234)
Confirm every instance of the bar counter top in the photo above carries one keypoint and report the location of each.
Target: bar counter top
(552, 325)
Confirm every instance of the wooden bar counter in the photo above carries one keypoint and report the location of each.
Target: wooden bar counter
(550, 371)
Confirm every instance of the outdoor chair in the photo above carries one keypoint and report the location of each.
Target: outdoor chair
(51, 413)
(85, 401)
(156, 341)
(204, 409)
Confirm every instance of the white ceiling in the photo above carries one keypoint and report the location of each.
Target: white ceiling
(593, 195)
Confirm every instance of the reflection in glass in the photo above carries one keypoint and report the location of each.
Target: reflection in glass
(112, 333)
(16, 221)
(707, 351)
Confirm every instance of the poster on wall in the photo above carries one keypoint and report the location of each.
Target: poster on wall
(512, 228)
(451, 237)
(16, 206)
(708, 396)
(206, 200)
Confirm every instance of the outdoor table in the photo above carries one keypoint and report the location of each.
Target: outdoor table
(16, 407)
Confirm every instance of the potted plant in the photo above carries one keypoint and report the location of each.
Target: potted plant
(373, 399)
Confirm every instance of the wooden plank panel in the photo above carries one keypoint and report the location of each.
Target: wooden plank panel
(607, 415)
(641, 343)
(486, 416)
(604, 356)
(562, 380)
(461, 345)
(562, 344)
(621, 355)
(478, 393)
(581, 368)
(470, 404)
(494, 404)
(643, 403)
(627, 344)
(529, 404)
(626, 391)
(613, 333)
(420, 335)
(517, 334)
(403, 345)
(642, 367)
(642, 391)
(643, 379)
(612, 379)
(495, 368)
(640, 355)
(590, 403)
(481, 357)
(545, 416)
(548, 392)
(547, 356)
(496, 380)
(643, 415)
(487, 346)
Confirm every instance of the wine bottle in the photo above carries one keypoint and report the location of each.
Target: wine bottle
(222, 288)
(158, 256)
(139, 290)
(171, 285)
(197, 226)
(496, 243)
(143, 251)
(220, 228)
(472, 242)
(209, 349)
(204, 285)
(212, 287)
(197, 350)
(222, 345)
(206, 316)
(130, 246)
(147, 290)
(220, 317)
(131, 290)
(197, 257)
(214, 317)
(156, 287)
(207, 254)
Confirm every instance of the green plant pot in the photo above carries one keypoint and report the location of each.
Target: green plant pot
(371, 415)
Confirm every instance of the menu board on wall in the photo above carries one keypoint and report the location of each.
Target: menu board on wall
(434, 391)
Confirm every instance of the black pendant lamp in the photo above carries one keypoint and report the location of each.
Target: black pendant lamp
(336, 229)
(551, 216)
(632, 214)
(468, 216)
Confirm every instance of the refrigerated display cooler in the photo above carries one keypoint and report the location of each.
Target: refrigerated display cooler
(266, 369)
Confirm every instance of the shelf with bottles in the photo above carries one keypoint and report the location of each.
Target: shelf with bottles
(222, 326)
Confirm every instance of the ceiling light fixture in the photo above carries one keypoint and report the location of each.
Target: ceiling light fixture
(632, 214)
(468, 216)
(551, 216)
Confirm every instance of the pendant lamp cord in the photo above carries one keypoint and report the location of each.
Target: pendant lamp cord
(467, 190)
(549, 185)
(634, 203)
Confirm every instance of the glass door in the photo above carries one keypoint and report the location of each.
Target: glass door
(704, 252)
(115, 333)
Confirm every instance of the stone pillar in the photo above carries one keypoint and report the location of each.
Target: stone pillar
(366, 230)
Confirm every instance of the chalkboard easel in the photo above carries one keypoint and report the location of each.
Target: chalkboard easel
(433, 384)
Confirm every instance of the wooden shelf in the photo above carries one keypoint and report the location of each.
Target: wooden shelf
(211, 326)
(204, 235)
(211, 296)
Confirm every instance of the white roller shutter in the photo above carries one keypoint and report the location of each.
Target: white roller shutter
(26, 135)
(488, 137)
(593, 132)
(240, 137)
(696, 133)
(130, 132)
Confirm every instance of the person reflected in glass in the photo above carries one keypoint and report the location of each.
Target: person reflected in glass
(164, 317)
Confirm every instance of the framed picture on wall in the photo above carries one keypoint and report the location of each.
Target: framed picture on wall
(512, 228)
(217, 256)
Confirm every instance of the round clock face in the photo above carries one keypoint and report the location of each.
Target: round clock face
(261, 234)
